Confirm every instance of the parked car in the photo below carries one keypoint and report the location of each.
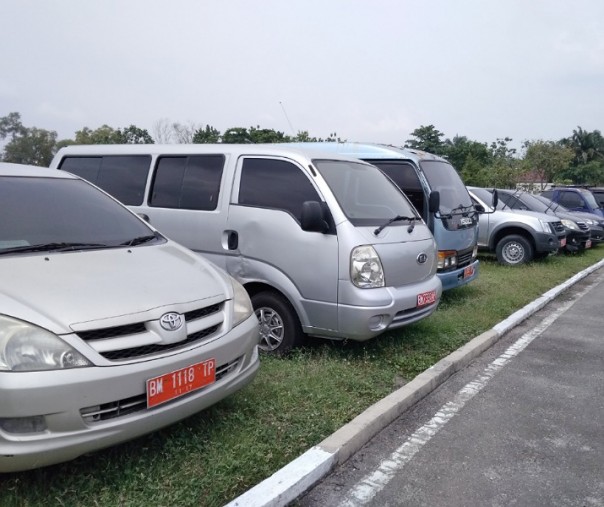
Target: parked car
(575, 199)
(578, 234)
(515, 236)
(326, 245)
(594, 222)
(598, 193)
(108, 330)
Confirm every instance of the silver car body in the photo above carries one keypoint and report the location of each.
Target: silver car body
(107, 307)
(545, 231)
(263, 246)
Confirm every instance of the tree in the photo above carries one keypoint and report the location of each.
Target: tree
(102, 135)
(460, 149)
(236, 135)
(587, 146)
(134, 135)
(108, 135)
(427, 138)
(32, 146)
(11, 126)
(206, 135)
(546, 160)
(258, 135)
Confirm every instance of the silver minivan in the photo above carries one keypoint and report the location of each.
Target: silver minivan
(325, 245)
(108, 330)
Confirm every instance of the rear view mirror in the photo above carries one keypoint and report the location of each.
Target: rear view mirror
(434, 201)
(313, 219)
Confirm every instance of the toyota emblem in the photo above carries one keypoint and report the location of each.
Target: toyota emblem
(171, 321)
(422, 258)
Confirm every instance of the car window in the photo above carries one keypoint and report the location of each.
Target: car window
(187, 182)
(276, 184)
(39, 211)
(570, 199)
(124, 177)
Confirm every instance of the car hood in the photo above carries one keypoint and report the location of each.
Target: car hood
(65, 292)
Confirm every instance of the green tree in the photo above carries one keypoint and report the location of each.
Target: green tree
(546, 160)
(259, 135)
(460, 149)
(206, 135)
(134, 135)
(11, 126)
(427, 138)
(587, 146)
(102, 135)
(236, 135)
(33, 146)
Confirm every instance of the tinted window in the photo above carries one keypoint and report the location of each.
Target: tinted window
(187, 182)
(365, 195)
(269, 183)
(571, 200)
(124, 177)
(52, 210)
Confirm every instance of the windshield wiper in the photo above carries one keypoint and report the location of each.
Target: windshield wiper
(397, 218)
(140, 240)
(54, 247)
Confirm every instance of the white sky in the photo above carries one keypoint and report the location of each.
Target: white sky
(370, 70)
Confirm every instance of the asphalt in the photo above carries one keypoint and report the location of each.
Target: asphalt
(300, 475)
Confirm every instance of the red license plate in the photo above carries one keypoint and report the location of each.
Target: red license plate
(588, 244)
(468, 271)
(180, 382)
(426, 298)
(562, 242)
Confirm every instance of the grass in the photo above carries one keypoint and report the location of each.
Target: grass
(293, 404)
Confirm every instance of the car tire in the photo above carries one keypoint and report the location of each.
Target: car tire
(280, 329)
(513, 250)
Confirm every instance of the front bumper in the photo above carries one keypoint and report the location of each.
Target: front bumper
(62, 398)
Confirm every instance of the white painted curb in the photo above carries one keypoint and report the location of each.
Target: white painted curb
(291, 481)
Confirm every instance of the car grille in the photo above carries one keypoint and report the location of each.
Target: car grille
(582, 225)
(557, 228)
(201, 323)
(464, 258)
(120, 408)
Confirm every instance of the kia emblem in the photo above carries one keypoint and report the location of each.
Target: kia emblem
(422, 258)
(171, 321)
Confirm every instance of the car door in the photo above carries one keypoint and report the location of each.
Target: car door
(269, 243)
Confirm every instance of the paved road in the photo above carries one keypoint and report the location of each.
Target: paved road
(523, 425)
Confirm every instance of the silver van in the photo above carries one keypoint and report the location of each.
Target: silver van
(325, 245)
(108, 330)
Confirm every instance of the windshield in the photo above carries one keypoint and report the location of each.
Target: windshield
(591, 200)
(550, 204)
(486, 196)
(43, 214)
(366, 196)
(443, 177)
(533, 203)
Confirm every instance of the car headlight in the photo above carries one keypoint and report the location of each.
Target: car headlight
(589, 222)
(447, 259)
(366, 270)
(545, 226)
(242, 306)
(25, 347)
(569, 224)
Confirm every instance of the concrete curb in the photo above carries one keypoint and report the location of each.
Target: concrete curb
(301, 474)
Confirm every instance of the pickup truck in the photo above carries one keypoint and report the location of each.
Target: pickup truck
(515, 236)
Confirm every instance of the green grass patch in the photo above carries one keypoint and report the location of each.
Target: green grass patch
(293, 404)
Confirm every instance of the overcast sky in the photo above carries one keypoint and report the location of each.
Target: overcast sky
(370, 70)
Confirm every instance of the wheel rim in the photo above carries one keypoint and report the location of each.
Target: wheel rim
(271, 328)
(513, 253)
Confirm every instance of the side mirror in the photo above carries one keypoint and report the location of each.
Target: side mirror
(313, 219)
(495, 199)
(434, 201)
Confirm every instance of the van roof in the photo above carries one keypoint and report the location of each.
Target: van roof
(292, 150)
